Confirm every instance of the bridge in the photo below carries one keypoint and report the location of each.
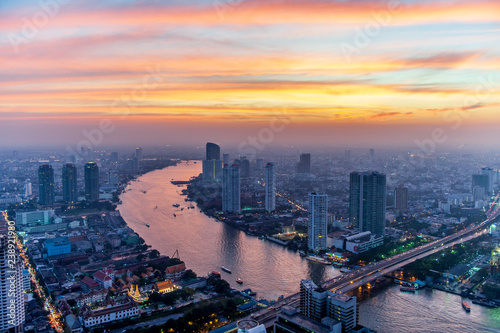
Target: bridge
(371, 272)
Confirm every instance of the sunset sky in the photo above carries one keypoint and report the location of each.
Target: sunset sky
(335, 72)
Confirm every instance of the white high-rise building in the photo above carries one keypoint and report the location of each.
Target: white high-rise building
(12, 313)
(317, 227)
(231, 192)
(270, 188)
(344, 309)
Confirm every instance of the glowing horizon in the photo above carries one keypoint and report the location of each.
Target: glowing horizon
(331, 68)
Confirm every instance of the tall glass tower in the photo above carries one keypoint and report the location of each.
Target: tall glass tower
(317, 227)
(91, 181)
(46, 184)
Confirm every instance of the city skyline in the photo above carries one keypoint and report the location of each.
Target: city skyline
(391, 72)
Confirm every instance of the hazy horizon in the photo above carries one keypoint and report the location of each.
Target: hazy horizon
(327, 73)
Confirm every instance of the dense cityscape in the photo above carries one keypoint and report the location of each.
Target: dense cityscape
(249, 166)
(422, 222)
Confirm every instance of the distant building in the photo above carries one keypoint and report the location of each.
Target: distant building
(69, 181)
(482, 180)
(39, 217)
(58, 245)
(317, 228)
(259, 164)
(91, 181)
(212, 166)
(138, 153)
(165, 287)
(231, 191)
(211, 170)
(244, 167)
(270, 188)
(114, 156)
(103, 279)
(46, 185)
(304, 165)
(212, 151)
(491, 177)
(367, 201)
(372, 153)
(401, 200)
(225, 159)
(89, 285)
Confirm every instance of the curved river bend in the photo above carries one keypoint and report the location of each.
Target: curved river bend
(205, 245)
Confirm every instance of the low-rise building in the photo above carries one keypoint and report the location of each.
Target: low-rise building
(358, 243)
(108, 314)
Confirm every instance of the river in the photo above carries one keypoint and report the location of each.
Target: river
(205, 245)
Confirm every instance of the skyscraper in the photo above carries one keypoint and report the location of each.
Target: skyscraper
(114, 156)
(483, 181)
(225, 158)
(401, 200)
(231, 192)
(213, 151)
(212, 166)
(343, 308)
(69, 183)
(317, 227)
(245, 167)
(12, 313)
(304, 165)
(490, 173)
(138, 153)
(367, 201)
(312, 300)
(46, 184)
(372, 153)
(270, 188)
(91, 181)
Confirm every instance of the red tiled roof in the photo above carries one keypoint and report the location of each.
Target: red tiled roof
(175, 269)
(89, 282)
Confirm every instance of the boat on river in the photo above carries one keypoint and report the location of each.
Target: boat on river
(240, 281)
(318, 260)
(227, 270)
(466, 306)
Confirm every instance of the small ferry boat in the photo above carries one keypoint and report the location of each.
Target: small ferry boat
(227, 270)
(466, 306)
(240, 281)
(407, 289)
(144, 192)
(182, 208)
(156, 207)
(175, 215)
(147, 225)
(176, 205)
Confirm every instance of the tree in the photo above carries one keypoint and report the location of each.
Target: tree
(189, 275)
(154, 254)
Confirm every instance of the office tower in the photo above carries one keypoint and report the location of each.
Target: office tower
(490, 173)
(495, 263)
(343, 308)
(367, 201)
(28, 190)
(114, 156)
(69, 183)
(211, 170)
(225, 159)
(250, 326)
(347, 153)
(372, 153)
(304, 165)
(481, 181)
(91, 181)
(478, 193)
(245, 167)
(270, 188)
(259, 164)
(213, 151)
(401, 200)
(313, 300)
(317, 227)
(231, 195)
(46, 184)
(138, 153)
(212, 166)
(12, 310)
